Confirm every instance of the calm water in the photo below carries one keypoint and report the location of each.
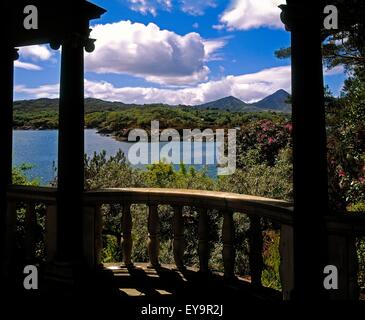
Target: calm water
(39, 148)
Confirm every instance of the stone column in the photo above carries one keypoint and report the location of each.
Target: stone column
(71, 152)
(7, 57)
(304, 20)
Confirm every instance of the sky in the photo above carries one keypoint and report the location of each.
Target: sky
(175, 52)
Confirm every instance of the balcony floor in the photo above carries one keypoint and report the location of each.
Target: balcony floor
(141, 285)
(145, 282)
(131, 289)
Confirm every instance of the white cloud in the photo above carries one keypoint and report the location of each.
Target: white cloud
(250, 14)
(159, 56)
(192, 7)
(248, 87)
(196, 7)
(212, 47)
(218, 26)
(36, 53)
(334, 71)
(149, 6)
(26, 66)
(45, 91)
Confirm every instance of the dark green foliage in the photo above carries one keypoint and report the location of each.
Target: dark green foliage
(19, 178)
(360, 245)
(283, 53)
(345, 46)
(114, 172)
(271, 257)
(118, 118)
(346, 144)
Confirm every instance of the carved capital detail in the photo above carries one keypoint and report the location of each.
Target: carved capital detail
(299, 15)
(16, 54)
(75, 40)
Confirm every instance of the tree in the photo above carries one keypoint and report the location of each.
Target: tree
(345, 46)
(346, 144)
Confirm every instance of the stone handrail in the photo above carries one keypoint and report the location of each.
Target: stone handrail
(254, 207)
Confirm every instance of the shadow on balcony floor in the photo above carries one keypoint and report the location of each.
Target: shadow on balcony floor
(142, 285)
(131, 289)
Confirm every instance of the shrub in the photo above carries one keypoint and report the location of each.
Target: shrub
(360, 245)
(271, 273)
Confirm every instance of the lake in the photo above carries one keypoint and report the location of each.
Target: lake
(39, 148)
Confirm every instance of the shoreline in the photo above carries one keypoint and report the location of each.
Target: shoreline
(119, 136)
(23, 152)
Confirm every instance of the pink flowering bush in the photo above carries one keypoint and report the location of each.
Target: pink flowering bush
(266, 137)
(346, 146)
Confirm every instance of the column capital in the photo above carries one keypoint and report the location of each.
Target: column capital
(300, 15)
(76, 40)
(15, 54)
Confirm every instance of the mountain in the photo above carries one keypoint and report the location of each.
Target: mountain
(229, 103)
(276, 102)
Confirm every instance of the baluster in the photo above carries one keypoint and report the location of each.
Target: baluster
(88, 235)
(255, 257)
(127, 241)
(98, 229)
(179, 243)
(11, 218)
(153, 236)
(203, 241)
(228, 235)
(92, 235)
(30, 232)
(51, 232)
(286, 249)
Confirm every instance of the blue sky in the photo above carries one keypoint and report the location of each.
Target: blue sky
(176, 52)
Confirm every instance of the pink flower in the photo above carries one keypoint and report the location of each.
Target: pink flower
(341, 173)
(289, 126)
(265, 125)
(362, 180)
(271, 140)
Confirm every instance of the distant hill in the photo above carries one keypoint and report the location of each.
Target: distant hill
(36, 104)
(91, 105)
(277, 102)
(117, 118)
(229, 103)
